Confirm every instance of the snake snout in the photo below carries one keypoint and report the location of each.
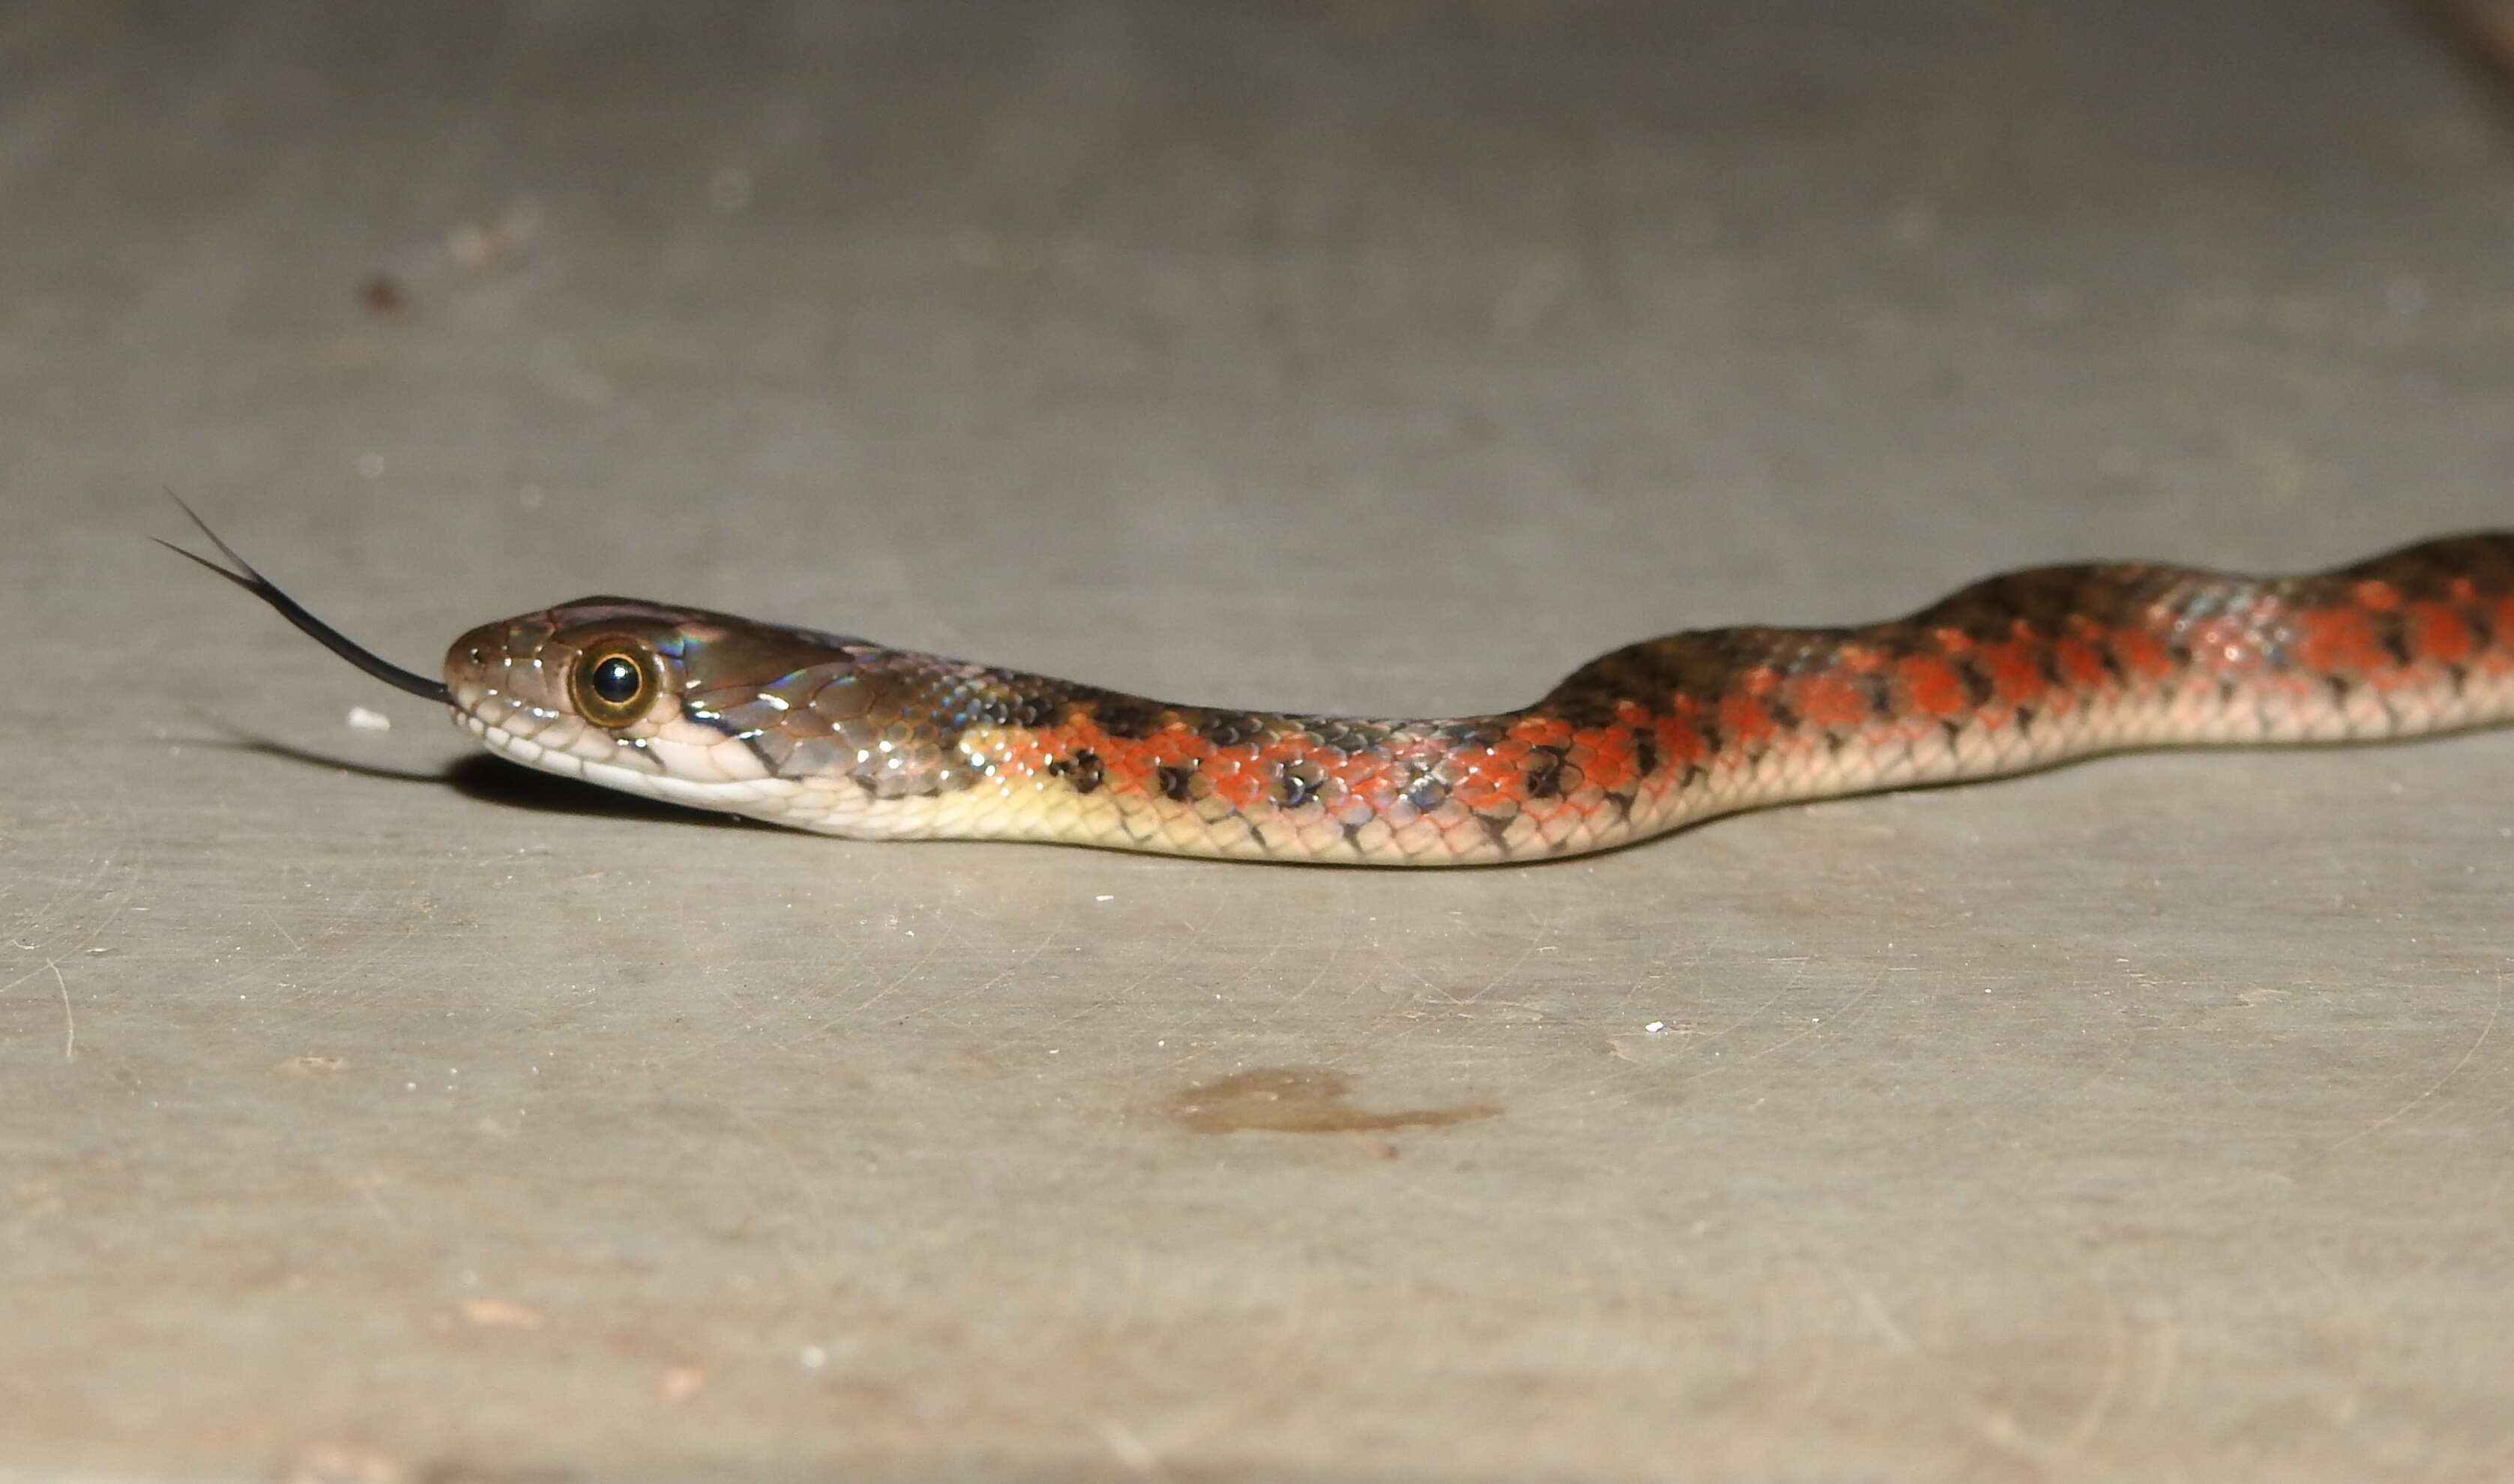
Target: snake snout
(508, 683)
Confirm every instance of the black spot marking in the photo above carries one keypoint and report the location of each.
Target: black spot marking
(1173, 780)
(1426, 794)
(1297, 783)
(2395, 640)
(1544, 773)
(1081, 771)
(1646, 753)
(1230, 728)
(1496, 828)
(1128, 718)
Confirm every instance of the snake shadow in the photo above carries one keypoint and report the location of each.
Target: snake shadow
(495, 780)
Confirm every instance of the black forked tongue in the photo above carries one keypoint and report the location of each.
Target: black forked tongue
(325, 634)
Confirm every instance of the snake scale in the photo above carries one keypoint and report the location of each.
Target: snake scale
(828, 733)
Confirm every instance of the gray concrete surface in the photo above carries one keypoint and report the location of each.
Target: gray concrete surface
(368, 1115)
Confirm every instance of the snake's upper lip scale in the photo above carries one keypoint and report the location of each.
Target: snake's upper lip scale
(329, 638)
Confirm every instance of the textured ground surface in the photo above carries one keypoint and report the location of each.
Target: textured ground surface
(373, 1116)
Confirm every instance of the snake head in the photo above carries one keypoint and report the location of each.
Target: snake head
(688, 705)
(678, 703)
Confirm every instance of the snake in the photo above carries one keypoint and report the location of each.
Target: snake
(2016, 672)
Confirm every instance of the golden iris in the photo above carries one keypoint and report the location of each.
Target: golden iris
(615, 684)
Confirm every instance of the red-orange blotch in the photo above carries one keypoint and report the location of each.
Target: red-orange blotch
(2339, 641)
(1931, 687)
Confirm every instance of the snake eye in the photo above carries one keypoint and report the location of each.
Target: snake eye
(614, 684)
(615, 680)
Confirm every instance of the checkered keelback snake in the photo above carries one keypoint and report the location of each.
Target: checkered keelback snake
(832, 734)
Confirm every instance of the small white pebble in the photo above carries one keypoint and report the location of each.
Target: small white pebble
(363, 720)
(813, 1357)
(1656, 1028)
(1103, 899)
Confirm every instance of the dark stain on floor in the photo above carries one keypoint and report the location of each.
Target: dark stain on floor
(1283, 1099)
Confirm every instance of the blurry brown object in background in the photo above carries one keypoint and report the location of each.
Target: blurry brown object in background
(382, 295)
(2484, 28)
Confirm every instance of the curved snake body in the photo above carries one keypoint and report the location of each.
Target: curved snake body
(834, 734)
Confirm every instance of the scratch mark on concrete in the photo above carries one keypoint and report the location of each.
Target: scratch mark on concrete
(2472, 1049)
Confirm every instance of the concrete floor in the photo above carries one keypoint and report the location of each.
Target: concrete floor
(370, 1115)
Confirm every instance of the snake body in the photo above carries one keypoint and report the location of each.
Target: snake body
(828, 733)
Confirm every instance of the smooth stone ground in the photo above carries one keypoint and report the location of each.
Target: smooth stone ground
(368, 1115)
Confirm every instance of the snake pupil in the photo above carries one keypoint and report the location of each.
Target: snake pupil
(617, 680)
